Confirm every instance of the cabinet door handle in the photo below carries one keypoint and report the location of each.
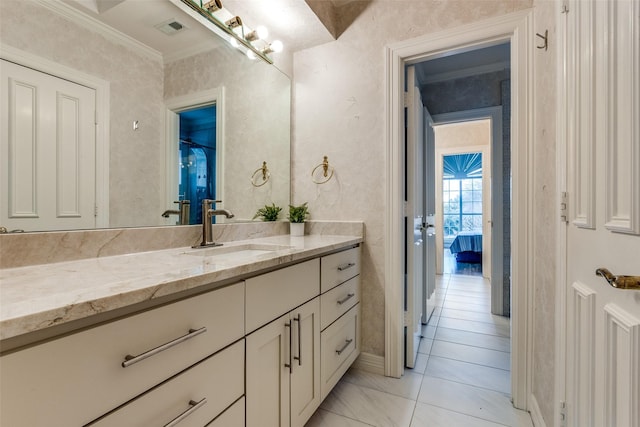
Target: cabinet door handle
(344, 347)
(194, 407)
(298, 319)
(345, 299)
(346, 266)
(290, 364)
(130, 360)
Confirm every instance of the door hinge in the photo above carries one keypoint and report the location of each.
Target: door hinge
(405, 318)
(95, 210)
(406, 99)
(565, 8)
(405, 208)
(564, 209)
(563, 413)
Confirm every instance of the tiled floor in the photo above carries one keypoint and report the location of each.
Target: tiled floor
(462, 375)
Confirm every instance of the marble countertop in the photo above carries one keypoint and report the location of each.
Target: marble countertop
(37, 297)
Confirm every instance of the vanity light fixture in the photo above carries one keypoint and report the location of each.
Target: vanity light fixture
(259, 33)
(234, 22)
(232, 29)
(212, 6)
(275, 46)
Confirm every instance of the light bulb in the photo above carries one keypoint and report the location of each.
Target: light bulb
(276, 46)
(250, 54)
(233, 42)
(262, 32)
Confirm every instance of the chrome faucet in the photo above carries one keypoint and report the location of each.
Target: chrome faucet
(207, 229)
(183, 212)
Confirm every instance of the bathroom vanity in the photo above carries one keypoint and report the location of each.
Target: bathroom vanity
(254, 333)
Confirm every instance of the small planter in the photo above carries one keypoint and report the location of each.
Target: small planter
(296, 228)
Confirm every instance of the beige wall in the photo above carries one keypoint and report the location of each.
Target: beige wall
(339, 111)
(137, 192)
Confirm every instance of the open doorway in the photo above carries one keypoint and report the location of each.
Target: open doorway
(492, 32)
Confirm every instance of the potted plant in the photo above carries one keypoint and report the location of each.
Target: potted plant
(268, 213)
(297, 215)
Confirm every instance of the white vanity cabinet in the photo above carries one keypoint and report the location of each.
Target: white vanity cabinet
(340, 319)
(72, 380)
(283, 356)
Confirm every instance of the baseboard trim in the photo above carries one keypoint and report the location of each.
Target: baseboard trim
(370, 363)
(534, 410)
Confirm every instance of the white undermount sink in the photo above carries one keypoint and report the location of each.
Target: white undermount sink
(236, 252)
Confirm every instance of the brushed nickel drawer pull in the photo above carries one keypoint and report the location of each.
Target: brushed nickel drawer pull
(344, 347)
(290, 364)
(345, 299)
(346, 266)
(298, 319)
(194, 407)
(619, 282)
(130, 360)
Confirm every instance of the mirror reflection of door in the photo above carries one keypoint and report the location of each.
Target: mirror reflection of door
(197, 145)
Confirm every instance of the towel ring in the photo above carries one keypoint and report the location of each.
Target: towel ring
(325, 171)
(261, 172)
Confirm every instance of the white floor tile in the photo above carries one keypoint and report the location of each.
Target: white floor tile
(469, 373)
(489, 405)
(425, 346)
(421, 364)
(369, 406)
(467, 353)
(473, 326)
(475, 339)
(483, 308)
(432, 416)
(477, 316)
(322, 418)
(406, 386)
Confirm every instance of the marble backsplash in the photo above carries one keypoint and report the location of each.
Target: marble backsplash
(20, 250)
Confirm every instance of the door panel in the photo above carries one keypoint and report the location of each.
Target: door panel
(429, 298)
(48, 151)
(603, 323)
(415, 251)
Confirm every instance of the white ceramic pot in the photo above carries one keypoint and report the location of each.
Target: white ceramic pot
(296, 228)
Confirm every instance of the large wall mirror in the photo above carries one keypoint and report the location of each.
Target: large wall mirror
(179, 114)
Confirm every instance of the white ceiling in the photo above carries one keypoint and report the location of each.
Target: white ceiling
(290, 21)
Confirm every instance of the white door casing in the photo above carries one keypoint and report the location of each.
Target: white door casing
(516, 28)
(600, 130)
(48, 151)
(415, 248)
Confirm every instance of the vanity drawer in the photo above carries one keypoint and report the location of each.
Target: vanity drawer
(338, 301)
(271, 295)
(340, 346)
(200, 394)
(338, 268)
(232, 417)
(70, 366)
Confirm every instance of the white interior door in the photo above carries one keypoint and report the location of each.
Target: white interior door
(603, 184)
(415, 251)
(47, 151)
(429, 270)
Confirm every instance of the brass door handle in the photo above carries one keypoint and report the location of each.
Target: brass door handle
(619, 282)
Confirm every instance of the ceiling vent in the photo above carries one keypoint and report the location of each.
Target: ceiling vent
(171, 27)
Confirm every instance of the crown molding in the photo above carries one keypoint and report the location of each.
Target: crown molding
(90, 23)
(465, 72)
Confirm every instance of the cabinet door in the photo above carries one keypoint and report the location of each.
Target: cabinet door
(267, 388)
(305, 376)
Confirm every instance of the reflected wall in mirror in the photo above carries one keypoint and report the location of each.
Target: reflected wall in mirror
(137, 125)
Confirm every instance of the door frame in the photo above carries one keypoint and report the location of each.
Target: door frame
(496, 190)
(516, 28)
(102, 128)
(187, 102)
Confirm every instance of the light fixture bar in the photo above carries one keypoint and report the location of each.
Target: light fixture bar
(194, 10)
